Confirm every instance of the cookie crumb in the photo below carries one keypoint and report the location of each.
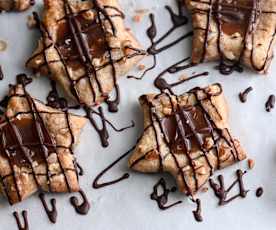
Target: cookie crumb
(31, 23)
(183, 77)
(3, 46)
(204, 189)
(251, 163)
(139, 15)
(141, 67)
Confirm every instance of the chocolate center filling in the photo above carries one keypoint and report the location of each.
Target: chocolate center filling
(91, 32)
(23, 142)
(235, 17)
(190, 123)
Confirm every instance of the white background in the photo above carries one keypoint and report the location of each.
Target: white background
(127, 205)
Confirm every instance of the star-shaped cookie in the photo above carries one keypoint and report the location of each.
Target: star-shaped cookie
(36, 147)
(15, 5)
(187, 136)
(85, 46)
(234, 32)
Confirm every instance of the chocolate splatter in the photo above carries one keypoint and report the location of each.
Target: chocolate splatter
(51, 212)
(270, 103)
(243, 95)
(221, 192)
(162, 198)
(81, 208)
(80, 169)
(1, 73)
(25, 225)
(23, 79)
(198, 211)
(259, 192)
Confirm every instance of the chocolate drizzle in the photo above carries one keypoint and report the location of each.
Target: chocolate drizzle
(243, 95)
(3, 104)
(1, 73)
(221, 192)
(54, 100)
(178, 20)
(80, 169)
(98, 185)
(81, 208)
(238, 16)
(270, 103)
(162, 198)
(162, 84)
(197, 212)
(15, 146)
(102, 131)
(51, 212)
(25, 225)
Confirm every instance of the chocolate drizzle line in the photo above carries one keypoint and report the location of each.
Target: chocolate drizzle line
(162, 198)
(270, 103)
(86, 60)
(162, 84)
(243, 95)
(51, 212)
(80, 169)
(233, 13)
(197, 212)
(103, 132)
(98, 185)
(1, 73)
(3, 104)
(81, 208)
(55, 101)
(178, 20)
(221, 192)
(259, 192)
(42, 137)
(25, 225)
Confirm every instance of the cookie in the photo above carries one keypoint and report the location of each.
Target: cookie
(15, 5)
(234, 32)
(85, 46)
(187, 136)
(36, 148)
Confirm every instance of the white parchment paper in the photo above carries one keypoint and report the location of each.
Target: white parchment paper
(127, 205)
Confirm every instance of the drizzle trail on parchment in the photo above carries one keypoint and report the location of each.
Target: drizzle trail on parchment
(178, 20)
